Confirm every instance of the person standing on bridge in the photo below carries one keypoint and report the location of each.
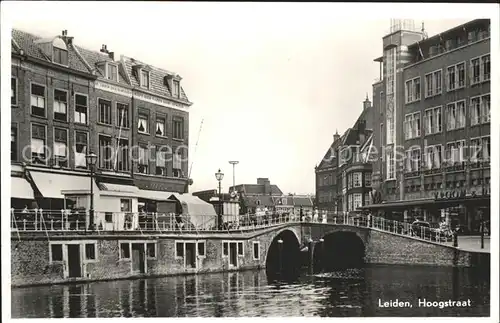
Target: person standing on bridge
(316, 215)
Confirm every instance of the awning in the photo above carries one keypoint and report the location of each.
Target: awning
(51, 185)
(201, 214)
(426, 202)
(118, 190)
(154, 195)
(21, 189)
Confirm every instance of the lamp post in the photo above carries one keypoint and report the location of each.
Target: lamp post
(91, 159)
(234, 163)
(219, 176)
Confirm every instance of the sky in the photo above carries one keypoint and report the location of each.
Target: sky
(271, 82)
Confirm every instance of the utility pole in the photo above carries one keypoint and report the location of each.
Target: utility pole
(234, 163)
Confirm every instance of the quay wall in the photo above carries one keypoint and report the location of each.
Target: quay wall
(32, 262)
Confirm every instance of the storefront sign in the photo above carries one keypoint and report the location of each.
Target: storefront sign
(456, 194)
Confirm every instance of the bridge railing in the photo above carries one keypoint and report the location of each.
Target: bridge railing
(401, 228)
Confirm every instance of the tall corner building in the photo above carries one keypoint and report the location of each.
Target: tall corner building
(432, 124)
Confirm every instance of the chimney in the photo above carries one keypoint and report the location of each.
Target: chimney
(112, 55)
(336, 136)
(104, 49)
(366, 103)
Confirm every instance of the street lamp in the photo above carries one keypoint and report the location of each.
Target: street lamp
(234, 163)
(219, 176)
(91, 159)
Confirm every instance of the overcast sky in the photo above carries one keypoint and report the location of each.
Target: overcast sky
(272, 82)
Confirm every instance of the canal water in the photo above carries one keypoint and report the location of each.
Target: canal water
(348, 293)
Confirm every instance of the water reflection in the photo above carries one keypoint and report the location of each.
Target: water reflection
(250, 294)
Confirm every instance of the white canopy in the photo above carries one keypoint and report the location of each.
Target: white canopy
(200, 213)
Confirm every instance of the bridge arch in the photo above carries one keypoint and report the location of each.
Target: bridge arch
(340, 250)
(283, 256)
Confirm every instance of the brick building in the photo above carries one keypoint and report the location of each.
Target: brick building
(432, 105)
(343, 177)
(68, 101)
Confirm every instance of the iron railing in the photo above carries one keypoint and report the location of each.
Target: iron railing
(70, 221)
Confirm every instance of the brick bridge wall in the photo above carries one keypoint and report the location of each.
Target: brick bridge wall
(30, 257)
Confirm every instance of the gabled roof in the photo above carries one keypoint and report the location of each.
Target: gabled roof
(156, 78)
(327, 161)
(302, 201)
(257, 189)
(259, 201)
(93, 58)
(282, 200)
(26, 42)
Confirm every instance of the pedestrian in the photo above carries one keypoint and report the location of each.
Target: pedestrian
(316, 215)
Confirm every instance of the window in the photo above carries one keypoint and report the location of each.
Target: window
(104, 111)
(357, 200)
(122, 156)
(122, 114)
(434, 156)
(56, 252)
(432, 120)
(412, 125)
(112, 72)
(412, 90)
(60, 56)
(60, 147)
(161, 162)
(151, 250)
(480, 109)
(90, 251)
(105, 152)
(356, 178)
(480, 149)
(381, 102)
(201, 249)
(143, 123)
(108, 217)
(80, 108)
(433, 83)
(60, 105)
(366, 199)
(145, 79)
(179, 249)
(80, 149)
(413, 163)
(225, 248)
(177, 89)
(143, 164)
(125, 250)
(13, 142)
(368, 179)
(475, 73)
(349, 202)
(178, 131)
(125, 205)
(240, 248)
(176, 165)
(13, 91)
(455, 152)
(256, 250)
(349, 181)
(455, 115)
(38, 143)
(38, 100)
(485, 67)
(391, 164)
(455, 77)
(160, 126)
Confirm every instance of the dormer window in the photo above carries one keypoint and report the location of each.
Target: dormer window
(144, 79)
(177, 89)
(112, 72)
(60, 56)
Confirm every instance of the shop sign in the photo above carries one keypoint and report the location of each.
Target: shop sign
(455, 194)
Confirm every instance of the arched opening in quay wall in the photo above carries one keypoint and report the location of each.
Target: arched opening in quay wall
(339, 251)
(283, 259)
